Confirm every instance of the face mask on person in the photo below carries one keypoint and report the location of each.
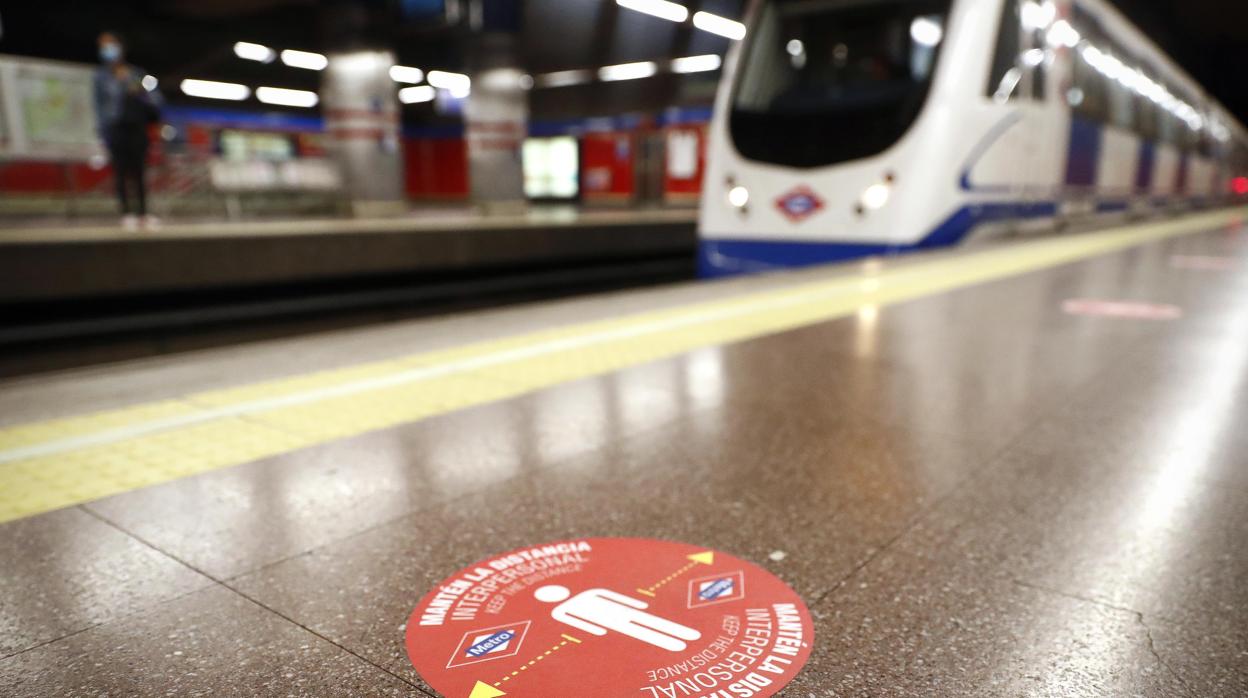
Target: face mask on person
(110, 53)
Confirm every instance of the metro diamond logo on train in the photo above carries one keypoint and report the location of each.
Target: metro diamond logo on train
(610, 617)
(799, 204)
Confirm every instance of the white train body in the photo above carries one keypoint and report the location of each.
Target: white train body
(846, 128)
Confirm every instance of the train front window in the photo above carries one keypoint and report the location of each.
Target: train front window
(826, 81)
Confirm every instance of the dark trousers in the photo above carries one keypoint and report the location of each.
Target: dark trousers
(127, 148)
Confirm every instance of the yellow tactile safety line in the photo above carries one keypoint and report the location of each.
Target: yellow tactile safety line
(56, 463)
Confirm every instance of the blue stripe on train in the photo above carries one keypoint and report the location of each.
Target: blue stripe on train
(717, 257)
(1144, 169)
(1084, 154)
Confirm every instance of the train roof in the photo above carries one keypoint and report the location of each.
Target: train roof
(1118, 25)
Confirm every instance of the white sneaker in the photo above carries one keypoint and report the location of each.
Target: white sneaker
(130, 222)
(151, 222)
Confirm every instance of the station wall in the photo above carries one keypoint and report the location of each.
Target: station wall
(623, 160)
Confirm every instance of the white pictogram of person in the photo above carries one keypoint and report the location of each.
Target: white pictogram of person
(598, 610)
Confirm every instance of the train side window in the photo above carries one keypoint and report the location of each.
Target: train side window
(1037, 73)
(1167, 128)
(1188, 138)
(1006, 73)
(1206, 147)
(1121, 107)
(1089, 94)
(1147, 118)
(1121, 100)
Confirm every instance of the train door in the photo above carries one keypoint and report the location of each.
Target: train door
(1033, 144)
(1043, 126)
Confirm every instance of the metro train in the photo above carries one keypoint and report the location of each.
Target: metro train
(848, 128)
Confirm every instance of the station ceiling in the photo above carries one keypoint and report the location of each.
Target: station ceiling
(194, 38)
(1207, 37)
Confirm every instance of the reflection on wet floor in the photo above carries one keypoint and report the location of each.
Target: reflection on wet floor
(975, 493)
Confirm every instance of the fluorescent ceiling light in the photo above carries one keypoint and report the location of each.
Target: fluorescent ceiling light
(1061, 33)
(458, 84)
(696, 64)
(563, 78)
(926, 31)
(658, 8)
(502, 79)
(304, 59)
(254, 52)
(1036, 15)
(417, 94)
(722, 26)
(210, 89)
(404, 73)
(627, 71)
(285, 97)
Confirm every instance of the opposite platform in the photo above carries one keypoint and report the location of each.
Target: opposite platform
(42, 263)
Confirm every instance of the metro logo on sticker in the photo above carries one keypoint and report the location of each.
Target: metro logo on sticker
(485, 644)
(716, 589)
(799, 204)
(705, 591)
(610, 617)
(489, 643)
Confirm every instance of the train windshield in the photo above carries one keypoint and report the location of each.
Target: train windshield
(826, 81)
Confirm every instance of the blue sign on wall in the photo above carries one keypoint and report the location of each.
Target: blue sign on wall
(420, 11)
(501, 15)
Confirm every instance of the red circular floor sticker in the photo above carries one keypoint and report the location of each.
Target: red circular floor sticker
(610, 617)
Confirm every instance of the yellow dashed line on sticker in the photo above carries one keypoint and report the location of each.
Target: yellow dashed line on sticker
(540, 657)
(56, 463)
(649, 591)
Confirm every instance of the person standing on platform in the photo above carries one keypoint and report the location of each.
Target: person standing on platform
(126, 103)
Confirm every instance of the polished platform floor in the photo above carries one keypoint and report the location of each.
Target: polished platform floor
(977, 491)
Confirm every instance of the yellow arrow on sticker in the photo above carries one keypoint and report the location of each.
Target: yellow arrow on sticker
(706, 558)
(485, 690)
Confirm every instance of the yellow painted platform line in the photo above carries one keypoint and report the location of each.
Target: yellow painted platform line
(57, 463)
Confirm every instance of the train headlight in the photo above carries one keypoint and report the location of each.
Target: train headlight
(738, 196)
(876, 196)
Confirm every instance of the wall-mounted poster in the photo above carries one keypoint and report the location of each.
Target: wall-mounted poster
(56, 105)
(46, 109)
